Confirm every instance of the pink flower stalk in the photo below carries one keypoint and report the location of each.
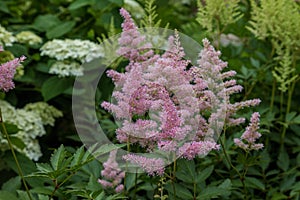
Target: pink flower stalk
(163, 103)
(112, 174)
(131, 42)
(7, 72)
(249, 137)
(201, 149)
(153, 166)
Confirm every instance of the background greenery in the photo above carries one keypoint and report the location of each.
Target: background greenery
(260, 43)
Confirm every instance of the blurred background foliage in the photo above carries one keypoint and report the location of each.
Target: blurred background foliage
(259, 39)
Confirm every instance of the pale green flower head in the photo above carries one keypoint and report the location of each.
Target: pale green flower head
(28, 37)
(6, 37)
(80, 50)
(30, 121)
(47, 112)
(66, 68)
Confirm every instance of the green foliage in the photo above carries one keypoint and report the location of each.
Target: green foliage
(270, 20)
(264, 52)
(215, 15)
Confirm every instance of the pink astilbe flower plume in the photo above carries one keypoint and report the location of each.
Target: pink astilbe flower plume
(249, 137)
(7, 72)
(112, 174)
(163, 104)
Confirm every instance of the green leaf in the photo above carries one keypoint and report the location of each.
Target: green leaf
(296, 120)
(80, 3)
(43, 190)
(11, 128)
(117, 2)
(287, 183)
(254, 183)
(45, 22)
(106, 148)
(17, 142)
(212, 192)
(12, 185)
(44, 167)
(180, 190)
(186, 171)
(58, 157)
(264, 160)
(255, 62)
(77, 158)
(55, 86)
(283, 161)
(290, 116)
(3, 7)
(5, 195)
(130, 180)
(204, 174)
(60, 29)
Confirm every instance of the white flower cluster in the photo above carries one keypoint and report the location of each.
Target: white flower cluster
(66, 68)
(28, 37)
(6, 38)
(76, 50)
(30, 121)
(47, 112)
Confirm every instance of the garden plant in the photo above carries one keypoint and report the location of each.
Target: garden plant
(145, 99)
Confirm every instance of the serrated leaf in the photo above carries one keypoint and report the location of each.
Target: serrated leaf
(60, 29)
(186, 171)
(12, 185)
(77, 158)
(106, 148)
(55, 86)
(204, 174)
(283, 161)
(58, 157)
(44, 167)
(43, 190)
(180, 191)
(254, 183)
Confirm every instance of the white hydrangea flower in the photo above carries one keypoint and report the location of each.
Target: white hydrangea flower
(28, 37)
(65, 68)
(6, 38)
(47, 112)
(81, 50)
(30, 120)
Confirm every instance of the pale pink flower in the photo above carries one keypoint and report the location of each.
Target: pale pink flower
(153, 166)
(162, 103)
(112, 174)
(7, 72)
(249, 137)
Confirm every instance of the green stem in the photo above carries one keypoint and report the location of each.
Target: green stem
(174, 176)
(242, 177)
(14, 155)
(273, 96)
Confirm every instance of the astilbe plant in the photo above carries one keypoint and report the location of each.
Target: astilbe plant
(7, 72)
(165, 104)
